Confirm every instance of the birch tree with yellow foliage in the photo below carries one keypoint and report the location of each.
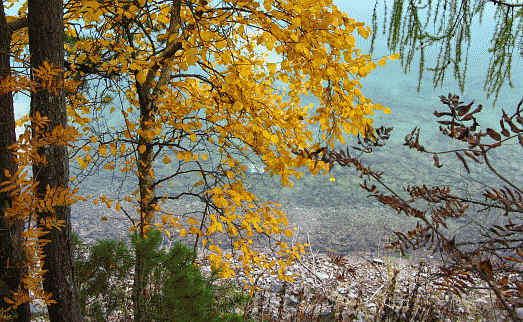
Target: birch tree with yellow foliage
(226, 77)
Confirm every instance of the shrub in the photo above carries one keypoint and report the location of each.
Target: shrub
(176, 290)
(108, 262)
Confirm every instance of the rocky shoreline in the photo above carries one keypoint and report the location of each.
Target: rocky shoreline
(355, 287)
(359, 287)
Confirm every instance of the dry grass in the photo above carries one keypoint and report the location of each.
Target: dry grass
(359, 288)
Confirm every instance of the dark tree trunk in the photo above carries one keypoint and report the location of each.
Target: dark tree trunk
(11, 253)
(147, 195)
(46, 43)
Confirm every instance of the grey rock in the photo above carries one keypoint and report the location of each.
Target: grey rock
(37, 309)
(292, 300)
(323, 276)
(275, 302)
(352, 295)
(276, 287)
(519, 313)
(343, 290)
(378, 261)
(325, 314)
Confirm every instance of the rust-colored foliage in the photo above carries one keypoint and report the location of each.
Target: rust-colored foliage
(496, 256)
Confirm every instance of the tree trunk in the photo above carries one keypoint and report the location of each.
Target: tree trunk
(11, 252)
(46, 43)
(146, 97)
(147, 207)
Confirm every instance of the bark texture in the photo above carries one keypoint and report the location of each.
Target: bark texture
(146, 96)
(46, 43)
(11, 252)
(147, 208)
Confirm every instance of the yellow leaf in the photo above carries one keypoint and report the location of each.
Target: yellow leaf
(204, 157)
(102, 150)
(183, 232)
(109, 166)
(363, 32)
(82, 163)
(332, 179)
(8, 300)
(162, 18)
(271, 67)
(394, 56)
(141, 149)
(206, 35)
(166, 159)
(267, 4)
(192, 221)
(140, 77)
(104, 219)
(191, 56)
(113, 149)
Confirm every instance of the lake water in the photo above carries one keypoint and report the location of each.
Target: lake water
(339, 216)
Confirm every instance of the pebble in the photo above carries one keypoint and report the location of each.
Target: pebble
(292, 300)
(367, 284)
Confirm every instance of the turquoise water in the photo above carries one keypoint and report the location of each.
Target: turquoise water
(336, 208)
(389, 86)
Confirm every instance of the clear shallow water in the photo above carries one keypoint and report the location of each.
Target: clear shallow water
(338, 204)
(340, 215)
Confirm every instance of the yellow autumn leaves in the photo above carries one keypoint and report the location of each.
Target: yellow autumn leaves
(383, 61)
(206, 90)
